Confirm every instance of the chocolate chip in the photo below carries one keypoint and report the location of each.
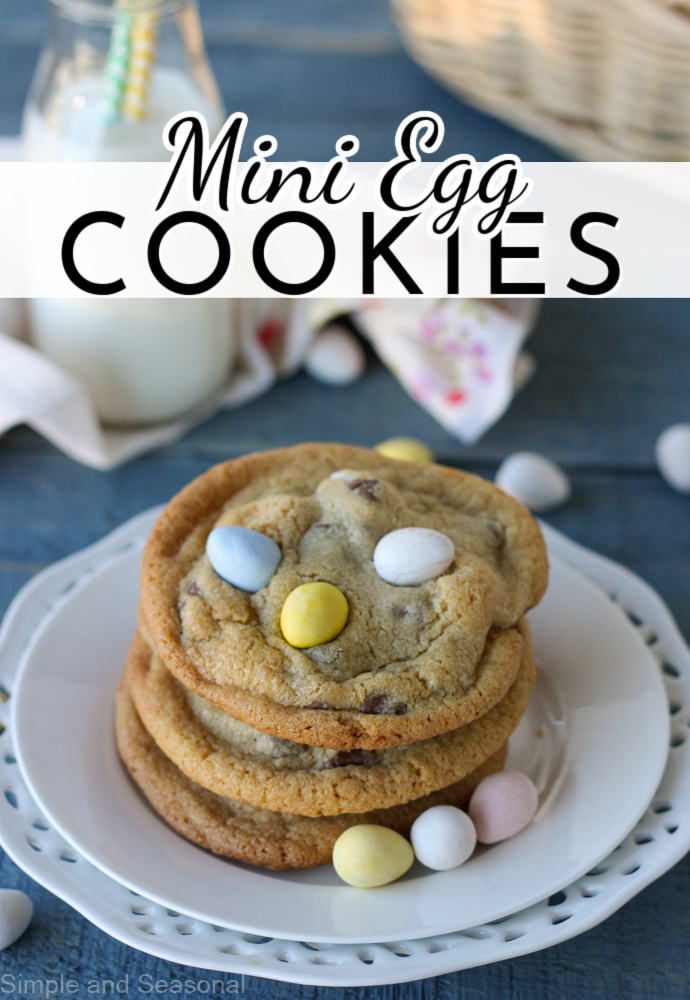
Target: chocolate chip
(368, 489)
(375, 703)
(497, 530)
(379, 703)
(318, 704)
(194, 589)
(400, 611)
(363, 758)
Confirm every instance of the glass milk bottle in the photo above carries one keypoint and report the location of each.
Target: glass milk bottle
(110, 75)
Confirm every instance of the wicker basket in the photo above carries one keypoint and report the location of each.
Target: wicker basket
(597, 79)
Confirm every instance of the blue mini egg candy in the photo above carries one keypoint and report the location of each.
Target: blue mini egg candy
(243, 557)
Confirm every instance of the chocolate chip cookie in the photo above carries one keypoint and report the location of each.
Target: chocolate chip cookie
(411, 661)
(232, 759)
(236, 830)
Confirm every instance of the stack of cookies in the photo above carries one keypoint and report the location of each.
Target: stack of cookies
(264, 747)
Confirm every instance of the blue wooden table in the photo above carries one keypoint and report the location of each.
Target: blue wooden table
(611, 375)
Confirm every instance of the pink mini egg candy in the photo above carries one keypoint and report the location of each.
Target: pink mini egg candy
(502, 805)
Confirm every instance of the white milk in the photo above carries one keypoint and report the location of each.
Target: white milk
(73, 127)
(141, 360)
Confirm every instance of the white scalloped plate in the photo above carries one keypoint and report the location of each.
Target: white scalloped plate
(600, 710)
(660, 838)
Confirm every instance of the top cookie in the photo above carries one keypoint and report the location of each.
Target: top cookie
(405, 665)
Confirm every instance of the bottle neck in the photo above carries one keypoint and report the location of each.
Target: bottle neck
(91, 100)
(104, 13)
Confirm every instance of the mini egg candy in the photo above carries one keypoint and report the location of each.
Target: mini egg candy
(534, 480)
(406, 449)
(408, 556)
(367, 855)
(347, 474)
(443, 837)
(673, 457)
(16, 911)
(243, 557)
(313, 613)
(501, 805)
(336, 357)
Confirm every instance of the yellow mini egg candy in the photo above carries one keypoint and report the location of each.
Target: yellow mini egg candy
(405, 449)
(313, 613)
(367, 856)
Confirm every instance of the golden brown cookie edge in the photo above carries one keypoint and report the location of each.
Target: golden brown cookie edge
(337, 729)
(207, 819)
(415, 770)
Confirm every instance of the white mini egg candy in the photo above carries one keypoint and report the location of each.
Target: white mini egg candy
(336, 357)
(673, 457)
(16, 911)
(534, 480)
(443, 837)
(347, 474)
(243, 557)
(408, 556)
(502, 804)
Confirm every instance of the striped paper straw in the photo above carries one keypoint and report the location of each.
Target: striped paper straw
(117, 66)
(142, 58)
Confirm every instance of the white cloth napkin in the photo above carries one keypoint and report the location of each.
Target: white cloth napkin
(460, 359)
